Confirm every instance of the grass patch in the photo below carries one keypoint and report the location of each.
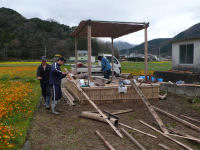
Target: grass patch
(137, 68)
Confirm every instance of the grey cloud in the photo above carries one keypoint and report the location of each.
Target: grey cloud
(166, 18)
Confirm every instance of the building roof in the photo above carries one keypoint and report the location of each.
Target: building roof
(110, 29)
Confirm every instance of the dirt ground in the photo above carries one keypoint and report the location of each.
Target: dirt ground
(70, 132)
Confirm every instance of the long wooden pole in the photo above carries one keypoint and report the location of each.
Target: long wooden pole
(76, 57)
(150, 108)
(184, 135)
(99, 111)
(112, 58)
(107, 144)
(133, 139)
(178, 119)
(189, 118)
(146, 52)
(165, 135)
(137, 130)
(89, 51)
(164, 146)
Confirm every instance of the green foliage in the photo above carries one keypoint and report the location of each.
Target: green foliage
(153, 47)
(27, 38)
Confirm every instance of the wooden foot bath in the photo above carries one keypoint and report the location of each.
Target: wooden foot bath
(109, 93)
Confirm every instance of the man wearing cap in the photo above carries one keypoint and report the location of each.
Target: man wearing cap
(43, 73)
(56, 76)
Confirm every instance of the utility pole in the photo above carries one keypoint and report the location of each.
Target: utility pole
(159, 53)
(45, 51)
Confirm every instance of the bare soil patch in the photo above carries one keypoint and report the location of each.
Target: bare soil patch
(69, 132)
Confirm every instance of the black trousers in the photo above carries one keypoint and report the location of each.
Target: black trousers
(107, 74)
(46, 89)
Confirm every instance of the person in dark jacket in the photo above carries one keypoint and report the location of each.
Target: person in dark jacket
(56, 76)
(43, 72)
(105, 67)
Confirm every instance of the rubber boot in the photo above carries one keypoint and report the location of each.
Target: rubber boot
(44, 101)
(53, 108)
(57, 106)
(47, 102)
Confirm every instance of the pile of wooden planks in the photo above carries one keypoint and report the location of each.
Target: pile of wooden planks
(69, 97)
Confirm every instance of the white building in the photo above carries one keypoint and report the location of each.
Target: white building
(82, 56)
(186, 55)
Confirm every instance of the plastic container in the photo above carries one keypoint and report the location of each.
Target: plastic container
(143, 77)
(160, 79)
(153, 79)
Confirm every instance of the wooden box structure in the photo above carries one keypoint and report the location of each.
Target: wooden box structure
(110, 94)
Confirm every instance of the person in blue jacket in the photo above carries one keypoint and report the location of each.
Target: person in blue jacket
(105, 67)
(56, 76)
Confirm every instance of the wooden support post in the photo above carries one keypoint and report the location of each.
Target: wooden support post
(137, 130)
(112, 58)
(133, 139)
(146, 51)
(178, 119)
(76, 57)
(107, 144)
(89, 51)
(165, 135)
(150, 107)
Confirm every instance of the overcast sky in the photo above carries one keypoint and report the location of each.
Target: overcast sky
(167, 17)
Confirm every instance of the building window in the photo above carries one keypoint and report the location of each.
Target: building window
(186, 53)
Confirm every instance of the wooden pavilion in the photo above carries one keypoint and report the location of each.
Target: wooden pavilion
(107, 29)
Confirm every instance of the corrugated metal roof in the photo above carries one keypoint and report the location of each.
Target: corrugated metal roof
(112, 29)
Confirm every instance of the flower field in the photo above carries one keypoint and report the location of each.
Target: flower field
(19, 94)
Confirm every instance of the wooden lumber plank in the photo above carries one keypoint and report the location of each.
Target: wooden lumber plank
(178, 119)
(100, 78)
(164, 146)
(137, 130)
(133, 139)
(99, 111)
(184, 135)
(107, 144)
(165, 135)
(189, 118)
(122, 111)
(150, 108)
(117, 112)
(64, 91)
(67, 92)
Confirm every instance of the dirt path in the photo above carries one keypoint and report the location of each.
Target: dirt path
(69, 132)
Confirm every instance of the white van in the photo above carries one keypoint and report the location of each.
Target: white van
(96, 70)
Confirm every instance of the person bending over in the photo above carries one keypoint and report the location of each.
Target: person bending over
(105, 67)
(56, 76)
